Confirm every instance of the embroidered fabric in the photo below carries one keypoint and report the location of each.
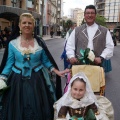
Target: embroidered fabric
(24, 50)
(28, 50)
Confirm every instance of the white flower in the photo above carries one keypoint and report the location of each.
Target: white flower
(2, 84)
(27, 50)
(91, 56)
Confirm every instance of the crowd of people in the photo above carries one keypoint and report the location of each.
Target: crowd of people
(4, 37)
(26, 74)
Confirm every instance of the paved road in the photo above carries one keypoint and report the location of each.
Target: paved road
(112, 79)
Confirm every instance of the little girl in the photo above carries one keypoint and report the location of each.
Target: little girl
(80, 103)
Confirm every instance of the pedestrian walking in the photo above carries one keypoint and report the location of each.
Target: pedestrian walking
(51, 33)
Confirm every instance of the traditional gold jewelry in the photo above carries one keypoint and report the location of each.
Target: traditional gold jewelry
(78, 111)
(26, 41)
(97, 113)
(33, 34)
(20, 32)
(63, 116)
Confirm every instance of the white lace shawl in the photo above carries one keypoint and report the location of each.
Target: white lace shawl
(17, 45)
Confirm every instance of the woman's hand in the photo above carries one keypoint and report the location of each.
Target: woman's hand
(61, 73)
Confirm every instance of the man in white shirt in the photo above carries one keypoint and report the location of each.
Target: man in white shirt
(90, 35)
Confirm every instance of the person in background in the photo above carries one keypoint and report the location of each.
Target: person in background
(4, 36)
(90, 35)
(1, 40)
(64, 56)
(51, 32)
(73, 26)
(80, 103)
(114, 39)
(26, 68)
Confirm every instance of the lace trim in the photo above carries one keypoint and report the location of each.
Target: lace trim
(23, 50)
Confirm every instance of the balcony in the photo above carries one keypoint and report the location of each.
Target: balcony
(100, 7)
(100, 1)
(58, 16)
(52, 14)
(49, 12)
(58, 9)
(101, 13)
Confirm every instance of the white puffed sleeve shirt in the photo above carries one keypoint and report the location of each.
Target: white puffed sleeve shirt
(91, 30)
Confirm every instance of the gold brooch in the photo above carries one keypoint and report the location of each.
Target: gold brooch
(78, 111)
(97, 113)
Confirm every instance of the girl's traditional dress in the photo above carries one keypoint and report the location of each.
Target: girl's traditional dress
(89, 107)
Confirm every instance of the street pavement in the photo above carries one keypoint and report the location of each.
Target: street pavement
(48, 37)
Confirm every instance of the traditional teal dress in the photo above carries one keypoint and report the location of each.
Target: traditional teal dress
(31, 95)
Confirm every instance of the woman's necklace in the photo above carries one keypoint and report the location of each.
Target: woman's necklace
(26, 42)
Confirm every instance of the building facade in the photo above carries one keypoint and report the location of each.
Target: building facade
(10, 10)
(49, 16)
(46, 12)
(76, 15)
(110, 9)
(80, 17)
(58, 11)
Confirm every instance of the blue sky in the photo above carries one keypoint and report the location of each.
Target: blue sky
(75, 4)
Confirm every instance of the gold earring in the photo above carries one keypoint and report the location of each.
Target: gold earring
(33, 34)
(20, 32)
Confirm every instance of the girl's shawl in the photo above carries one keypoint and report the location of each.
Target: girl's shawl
(67, 100)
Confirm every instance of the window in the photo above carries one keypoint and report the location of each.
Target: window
(4, 2)
(59, 2)
(13, 3)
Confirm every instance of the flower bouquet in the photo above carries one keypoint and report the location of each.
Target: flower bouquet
(3, 87)
(87, 56)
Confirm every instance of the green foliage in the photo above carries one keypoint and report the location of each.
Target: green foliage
(68, 24)
(101, 20)
(83, 21)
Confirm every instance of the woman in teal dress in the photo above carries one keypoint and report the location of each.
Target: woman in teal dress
(25, 68)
